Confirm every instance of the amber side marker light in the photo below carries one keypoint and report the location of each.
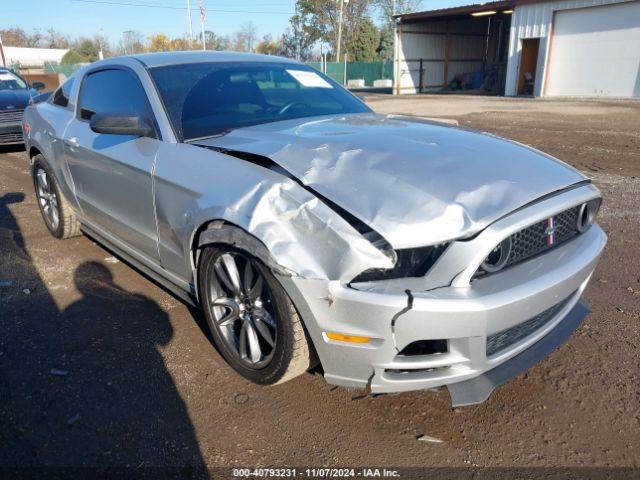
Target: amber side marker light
(482, 14)
(341, 337)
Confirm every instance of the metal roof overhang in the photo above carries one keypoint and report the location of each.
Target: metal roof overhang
(463, 11)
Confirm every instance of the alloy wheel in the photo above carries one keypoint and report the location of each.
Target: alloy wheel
(242, 307)
(47, 199)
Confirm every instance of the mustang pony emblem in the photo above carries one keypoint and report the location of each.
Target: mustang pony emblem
(550, 231)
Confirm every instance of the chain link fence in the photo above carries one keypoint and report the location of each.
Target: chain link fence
(369, 72)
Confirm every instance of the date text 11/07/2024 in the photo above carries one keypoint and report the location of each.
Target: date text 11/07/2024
(315, 473)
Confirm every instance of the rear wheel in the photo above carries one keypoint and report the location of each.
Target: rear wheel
(56, 211)
(254, 324)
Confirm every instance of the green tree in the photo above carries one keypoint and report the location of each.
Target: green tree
(385, 48)
(365, 44)
(72, 57)
(297, 40)
(88, 50)
(321, 18)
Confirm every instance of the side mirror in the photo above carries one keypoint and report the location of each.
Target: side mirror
(121, 125)
(38, 85)
(41, 97)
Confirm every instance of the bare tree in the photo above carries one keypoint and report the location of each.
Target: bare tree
(386, 8)
(55, 39)
(17, 37)
(131, 42)
(14, 37)
(249, 32)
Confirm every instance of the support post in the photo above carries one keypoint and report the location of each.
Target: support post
(339, 31)
(447, 43)
(190, 22)
(398, 49)
(345, 68)
(420, 83)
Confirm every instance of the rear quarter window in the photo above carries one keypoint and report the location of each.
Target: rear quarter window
(62, 95)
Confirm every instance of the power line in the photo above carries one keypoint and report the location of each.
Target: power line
(170, 7)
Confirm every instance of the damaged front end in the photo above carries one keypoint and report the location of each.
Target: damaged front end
(449, 327)
(379, 253)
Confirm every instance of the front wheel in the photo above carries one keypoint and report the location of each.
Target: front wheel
(253, 323)
(56, 211)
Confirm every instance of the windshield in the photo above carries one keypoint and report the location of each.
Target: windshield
(206, 99)
(10, 81)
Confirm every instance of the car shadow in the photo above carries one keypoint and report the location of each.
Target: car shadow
(12, 148)
(85, 386)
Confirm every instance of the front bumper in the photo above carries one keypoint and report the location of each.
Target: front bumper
(394, 317)
(11, 133)
(478, 389)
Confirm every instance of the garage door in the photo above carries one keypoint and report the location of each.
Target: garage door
(596, 52)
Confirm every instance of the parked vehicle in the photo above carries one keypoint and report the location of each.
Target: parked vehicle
(15, 95)
(400, 254)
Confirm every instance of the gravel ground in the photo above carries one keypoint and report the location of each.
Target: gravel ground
(101, 367)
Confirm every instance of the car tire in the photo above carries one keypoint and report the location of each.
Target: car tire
(65, 223)
(292, 354)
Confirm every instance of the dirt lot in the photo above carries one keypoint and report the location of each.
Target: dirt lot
(99, 366)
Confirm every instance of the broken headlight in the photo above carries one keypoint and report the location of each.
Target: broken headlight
(411, 262)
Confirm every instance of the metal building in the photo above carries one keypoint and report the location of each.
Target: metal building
(587, 48)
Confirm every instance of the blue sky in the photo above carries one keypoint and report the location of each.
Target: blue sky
(83, 17)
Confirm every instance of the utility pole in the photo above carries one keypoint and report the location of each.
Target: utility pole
(297, 32)
(190, 23)
(100, 53)
(342, 2)
(127, 41)
(4, 62)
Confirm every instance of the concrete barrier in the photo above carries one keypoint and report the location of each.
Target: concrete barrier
(383, 83)
(356, 83)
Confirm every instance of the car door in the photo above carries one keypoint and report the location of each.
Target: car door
(113, 173)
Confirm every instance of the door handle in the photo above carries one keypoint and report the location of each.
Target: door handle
(72, 142)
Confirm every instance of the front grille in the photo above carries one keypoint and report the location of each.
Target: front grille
(11, 116)
(504, 339)
(10, 137)
(534, 240)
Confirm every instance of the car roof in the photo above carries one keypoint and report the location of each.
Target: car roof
(200, 56)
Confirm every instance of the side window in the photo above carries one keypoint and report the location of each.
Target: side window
(61, 95)
(113, 91)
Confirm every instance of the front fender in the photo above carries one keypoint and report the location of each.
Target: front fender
(306, 238)
(47, 126)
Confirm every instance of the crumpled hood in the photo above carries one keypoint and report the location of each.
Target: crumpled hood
(416, 183)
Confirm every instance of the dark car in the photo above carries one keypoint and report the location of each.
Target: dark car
(15, 95)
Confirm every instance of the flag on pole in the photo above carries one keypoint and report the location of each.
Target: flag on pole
(202, 16)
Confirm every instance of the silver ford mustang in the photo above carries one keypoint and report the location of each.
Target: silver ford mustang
(398, 254)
